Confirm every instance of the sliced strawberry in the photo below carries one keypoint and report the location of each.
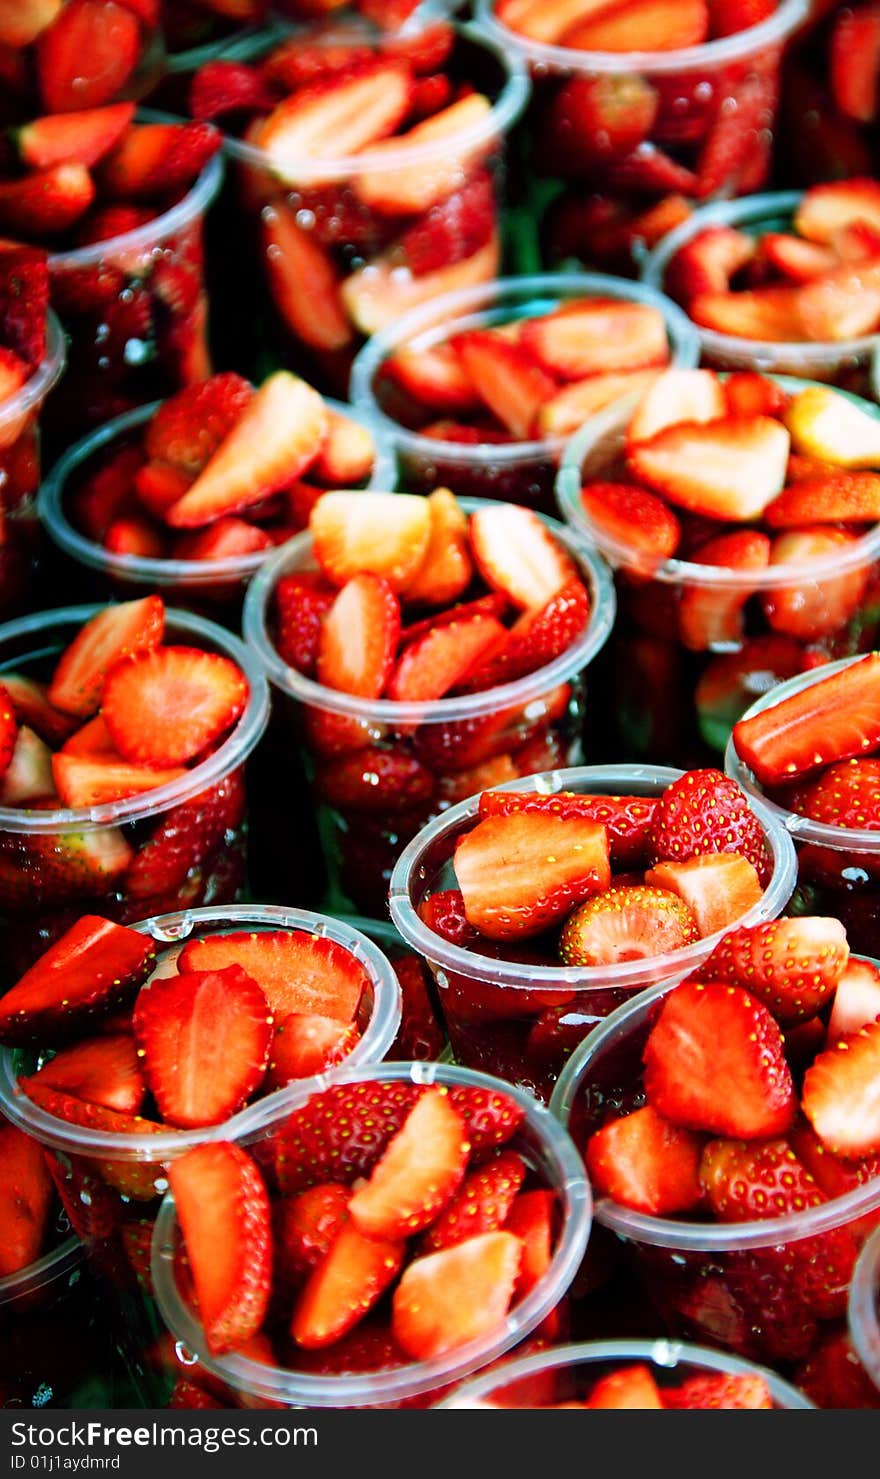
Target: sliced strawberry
(115, 633)
(306, 1226)
(375, 780)
(830, 207)
(229, 539)
(591, 119)
(133, 1179)
(536, 639)
(829, 498)
(626, 819)
(46, 202)
(843, 304)
(204, 1039)
(676, 396)
(412, 189)
(28, 775)
(719, 1392)
(81, 781)
(727, 469)
(445, 657)
(166, 706)
(706, 812)
(87, 55)
(707, 262)
(359, 635)
(348, 453)
(25, 1200)
(21, 24)
(735, 154)
(305, 1044)
(627, 923)
(521, 873)
(186, 837)
(368, 1347)
(809, 609)
(446, 570)
(482, 1204)
(835, 1177)
(298, 972)
(459, 1295)
(770, 314)
(94, 1209)
(344, 1286)
(634, 518)
(644, 25)
(791, 965)
(839, 1094)
(24, 299)
(568, 409)
(221, 87)
(335, 117)
(103, 1070)
(276, 438)
(632, 1387)
(304, 280)
(159, 486)
(331, 735)
(490, 1118)
(301, 603)
(854, 70)
(718, 888)
(434, 377)
(517, 555)
(711, 617)
(545, 20)
(136, 536)
(453, 229)
(834, 719)
(644, 1162)
(154, 159)
(73, 138)
(340, 1133)
(225, 1220)
(856, 1000)
(383, 534)
(93, 967)
(377, 295)
(798, 260)
(505, 378)
(833, 1375)
(418, 1174)
(596, 336)
(190, 426)
(189, 1396)
(715, 1061)
(833, 428)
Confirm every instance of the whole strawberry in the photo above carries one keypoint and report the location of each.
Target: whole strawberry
(706, 812)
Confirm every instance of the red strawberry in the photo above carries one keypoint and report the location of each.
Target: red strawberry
(133, 1179)
(518, 555)
(856, 1000)
(156, 158)
(301, 603)
(510, 383)
(189, 427)
(219, 88)
(833, 1376)
(103, 1070)
(25, 1200)
(28, 775)
(649, 170)
(224, 1217)
(341, 1133)
(459, 1295)
(359, 636)
(72, 138)
(228, 539)
(420, 1035)
(715, 1061)
(158, 485)
(800, 261)
(418, 1173)
(726, 17)
(791, 965)
(87, 55)
(304, 280)
(719, 888)
(769, 313)
(298, 972)
(433, 376)
(744, 1183)
(186, 837)
(707, 262)
(644, 1162)
(727, 469)
(521, 873)
(135, 536)
(591, 119)
(635, 519)
(444, 912)
(447, 569)
(166, 706)
(481, 1205)
(305, 1044)
(189, 1396)
(24, 299)
(46, 202)
(814, 610)
(368, 1347)
(711, 617)
(839, 495)
(569, 408)
(595, 336)
(644, 25)
(630, 1387)
(627, 923)
(626, 819)
(8, 731)
(446, 657)
(115, 633)
(451, 230)
(375, 780)
(705, 812)
(531, 1220)
(735, 153)
(838, 1095)
(93, 966)
(85, 781)
(383, 534)
(334, 117)
(344, 1286)
(719, 1392)
(490, 1118)
(854, 71)
(306, 1225)
(837, 718)
(94, 1209)
(536, 639)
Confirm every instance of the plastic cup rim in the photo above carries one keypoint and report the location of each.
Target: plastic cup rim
(43, 1271)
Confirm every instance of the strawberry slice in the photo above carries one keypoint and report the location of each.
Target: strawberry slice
(517, 555)
(359, 635)
(375, 780)
(834, 719)
(306, 1226)
(631, 922)
(847, 497)
(154, 159)
(224, 1216)
(83, 781)
(347, 455)
(459, 1295)
(735, 153)
(305, 1044)
(644, 1162)
(103, 1070)
(190, 426)
(568, 409)
(706, 812)
(839, 1095)
(434, 377)
(133, 1179)
(707, 262)
(301, 603)
(482, 1204)
(275, 439)
(446, 570)
(384, 534)
(72, 138)
(25, 1200)
(340, 1133)
(404, 190)
(204, 1040)
(596, 336)
(46, 202)
(519, 874)
(505, 378)
(719, 1393)
(770, 314)
(711, 618)
(94, 966)
(377, 295)
(344, 1286)
(220, 87)
(643, 25)
(299, 973)
(812, 610)
(137, 536)
(833, 428)
(854, 68)
(418, 1174)
(832, 206)
(715, 1061)
(334, 118)
(445, 657)
(186, 837)
(798, 260)
(746, 1183)
(626, 819)
(87, 55)
(28, 775)
(718, 888)
(305, 282)
(674, 397)
(843, 304)
(629, 1389)
(835, 1177)
(726, 469)
(9, 731)
(166, 706)
(32, 708)
(536, 639)
(116, 633)
(791, 965)
(228, 539)
(632, 517)
(545, 20)
(856, 999)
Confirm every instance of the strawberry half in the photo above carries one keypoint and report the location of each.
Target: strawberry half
(46, 202)
(519, 874)
(718, 888)
(626, 819)
(305, 1044)
(359, 636)
(384, 781)
(417, 1175)
(82, 781)
(836, 496)
(154, 159)
(332, 118)
(482, 1204)
(746, 1183)
(350, 1279)
(446, 570)
(536, 639)
(224, 1217)
(298, 973)
(634, 518)
(385, 534)
(456, 1296)
(104, 1070)
(627, 923)
(306, 1226)
(644, 1162)
(301, 603)
(166, 706)
(837, 718)
(446, 657)
(706, 812)
(72, 138)
(490, 1118)
(95, 966)
(88, 53)
(505, 378)
(341, 1133)
(186, 837)
(791, 965)
(517, 555)
(839, 1094)
(596, 336)
(726, 469)
(25, 1200)
(115, 633)
(189, 427)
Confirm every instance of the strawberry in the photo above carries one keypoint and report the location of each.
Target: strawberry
(8, 731)
(186, 837)
(103, 1070)
(220, 87)
(334, 117)
(726, 17)
(204, 1038)
(224, 1218)
(368, 1347)
(420, 1036)
(301, 603)
(545, 20)
(358, 638)
(631, 1387)
(635, 519)
(304, 280)
(706, 263)
(833, 428)
(648, 170)
(626, 819)
(115, 633)
(833, 1375)
(745, 1183)
(854, 64)
(93, 966)
(706, 812)
(166, 706)
(482, 1204)
(492, 605)
(590, 119)
(188, 1396)
(46, 202)
(531, 1220)
(812, 610)
(159, 485)
(298, 972)
(133, 1179)
(800, 261)
(28, 775)
(87, 55)
(418, 1173)
(505, 378)
(191, 425)
(644, 25)
(536, 639)
(627, 923)
(136, 536)
(727, 469)
(714, 1061)
(82, 782)
(837, 718)
(403, 190)
(844, 795)
(154, 159)
(25, 1200)
(21, 24)
(713, 1393)
(856, 1000)
(137, 1240)
(306, 1226)
(771, 313)
(347, 456)
(24, 299)
(718, 888)
(834, 1177)
(340, 1133)
(735, 154)
(838, 1095)
(676, 396)
(433, 376)
(383, 534)
(377, 295)
(644, 1162)
(375, 780)
(446, 657)
(305, 1044)
(517, 555)
(276, 438)
(711, 617)
(228, 539)
(446, 570)
(444, 913)
(521, 873)
(843, 304)
(459, 1295)
(596, 336)
(569, 408)
(94, 1209)
(454, 228)
(844, 496)
(72, 138)
(352, 1276)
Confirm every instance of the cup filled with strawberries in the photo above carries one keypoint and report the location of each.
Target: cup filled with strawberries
(786, 282)
(479, 390)
(544, 903)
(368, 172)
(639, 111)
(125, 729)
(390, 1233)
(740, 511)
(422, 647)
(188, 496)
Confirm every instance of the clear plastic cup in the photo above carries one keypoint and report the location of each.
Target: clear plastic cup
(60, 864)
(217, 585)
(521, 472)
(850, 364)
(135, 309)
(580, 201)
(740, 1286)
(568, 1373)
(328, 288)
(864, 1312)
(549, 1153)
(667, 696)
(838, 867)
(519, 1019)
(360, 846)
(20, 416)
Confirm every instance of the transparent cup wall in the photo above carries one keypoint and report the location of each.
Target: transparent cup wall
(21, 545)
